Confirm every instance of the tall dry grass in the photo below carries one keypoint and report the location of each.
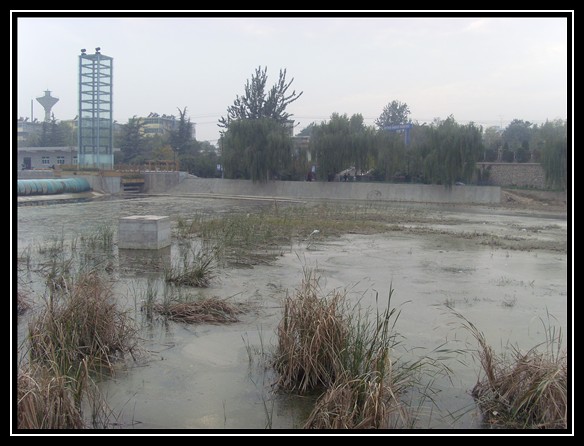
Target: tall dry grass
(48, 399)
(363, 402)
(527, 390)
(22, 302)
(326, 345)
(83, 323)
(311, 335)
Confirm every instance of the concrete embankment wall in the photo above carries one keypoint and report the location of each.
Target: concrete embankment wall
(340, 190)
(104, 184)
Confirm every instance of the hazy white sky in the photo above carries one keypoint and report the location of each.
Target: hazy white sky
(489, 70)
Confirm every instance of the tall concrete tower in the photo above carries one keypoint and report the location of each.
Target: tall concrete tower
(95, 127)
(47, 101)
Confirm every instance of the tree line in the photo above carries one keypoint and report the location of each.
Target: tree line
(256, 143)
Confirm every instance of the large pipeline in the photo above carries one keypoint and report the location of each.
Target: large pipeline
(53, 186)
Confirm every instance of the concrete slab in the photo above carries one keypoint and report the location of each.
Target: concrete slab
(144, 232)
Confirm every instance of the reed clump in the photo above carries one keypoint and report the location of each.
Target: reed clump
(212, 310)
(344, 354)
(526, 389)
(46, 400)
(82, 323)
(196, 269)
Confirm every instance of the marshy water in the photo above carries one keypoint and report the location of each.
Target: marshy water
(504, 271)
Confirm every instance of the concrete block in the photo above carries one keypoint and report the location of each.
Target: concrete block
(144, 232)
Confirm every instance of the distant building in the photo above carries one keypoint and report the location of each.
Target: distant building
(47, 157)
(155, 124)
(25, 129)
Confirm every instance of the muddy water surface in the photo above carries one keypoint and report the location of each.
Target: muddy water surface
(216, 377)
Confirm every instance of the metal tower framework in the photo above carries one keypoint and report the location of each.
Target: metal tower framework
(95, 129)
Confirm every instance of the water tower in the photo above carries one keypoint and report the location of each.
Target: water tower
(47, 101)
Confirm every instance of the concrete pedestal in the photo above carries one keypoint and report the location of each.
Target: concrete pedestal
(144, 232)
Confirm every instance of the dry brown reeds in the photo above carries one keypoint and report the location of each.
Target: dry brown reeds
(47, 400)
(83, 324)
(526, 391)
(211, 310)
(80, 331)
(328, 346)
(357, 403)
(22, 303)
(311, 334)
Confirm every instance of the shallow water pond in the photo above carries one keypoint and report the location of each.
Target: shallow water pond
(218, 376)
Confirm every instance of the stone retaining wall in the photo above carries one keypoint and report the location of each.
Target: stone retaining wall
(514, 174)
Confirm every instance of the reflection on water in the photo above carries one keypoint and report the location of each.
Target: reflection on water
(143, 262)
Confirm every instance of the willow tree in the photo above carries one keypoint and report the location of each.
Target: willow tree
(420, 147)
(391, 154)
(552, 142)
(342, 143)
(256, 133)
(255, 149)
(455, 149)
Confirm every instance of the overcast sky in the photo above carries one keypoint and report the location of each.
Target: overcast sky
(486, 70)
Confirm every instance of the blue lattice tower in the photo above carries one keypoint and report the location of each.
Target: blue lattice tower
(95, 129)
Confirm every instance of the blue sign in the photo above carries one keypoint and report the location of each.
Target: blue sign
(398, 127)
(406, 127)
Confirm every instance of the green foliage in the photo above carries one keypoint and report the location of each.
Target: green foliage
(552, 142)
(522, 155)
(259, 103)
(342, 143)
(52, 134)
(255, 149)
(307, 131)
(132, 142)
(394, 113)
(454, 150)
(181, 138)
(196, 268)
(163, 153)
(490, 155)
(518, 134)
(391, 155)
(256, 143)
(492, 140)
(202, 164)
